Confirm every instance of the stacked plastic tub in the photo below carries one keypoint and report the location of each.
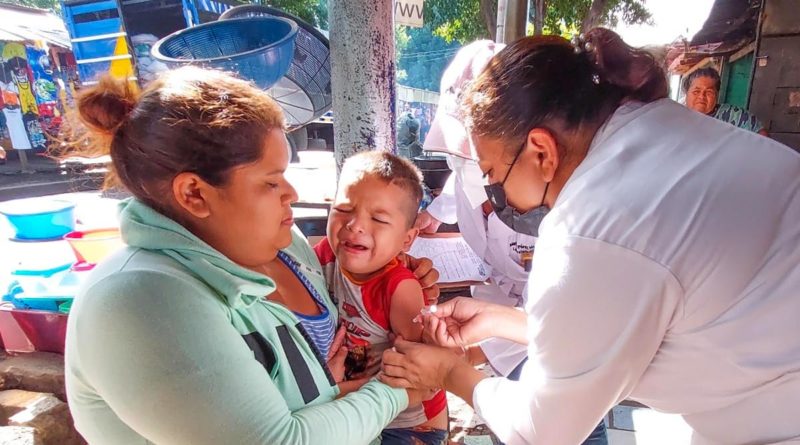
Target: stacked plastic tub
(36, 260)
(47, 260)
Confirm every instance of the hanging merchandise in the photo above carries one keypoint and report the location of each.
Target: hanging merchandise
(44, 89)
(12, 107)
(16, 63)
(14, 123)
(16, 129)
(16, 60)
(3, 128)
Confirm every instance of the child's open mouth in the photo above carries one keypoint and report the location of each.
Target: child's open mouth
(353, 247)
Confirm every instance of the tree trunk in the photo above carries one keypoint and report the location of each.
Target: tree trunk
(489, 14)
(539, 10)
(362, 76)
(594, 17)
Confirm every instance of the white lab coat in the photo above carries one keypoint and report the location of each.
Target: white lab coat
(667, 272)
(493, 241)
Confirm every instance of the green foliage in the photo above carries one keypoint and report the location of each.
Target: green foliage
(565, 16)
(422, 57)
(455, 20)
(401, 41)
(423, 54)
(463, 21)
(631, 12)
(314, 12)
(52, 5)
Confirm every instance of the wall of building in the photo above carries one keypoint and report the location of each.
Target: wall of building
(775, 93)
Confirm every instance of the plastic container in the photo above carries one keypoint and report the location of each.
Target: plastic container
(28, 331)
(39, 280)
(64, 308)
(260, 49)
(48, 295)
(36, 254)
(40, 302)
(305, 91)
(434, 169)
(39, 219)
(91, 246)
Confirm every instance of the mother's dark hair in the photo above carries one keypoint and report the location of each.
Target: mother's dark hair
(188, 120)
(546, 81)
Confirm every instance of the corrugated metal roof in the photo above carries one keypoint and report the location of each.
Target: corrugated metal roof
(730, 26)
(21, 23)
(729, 20)
(683, 58)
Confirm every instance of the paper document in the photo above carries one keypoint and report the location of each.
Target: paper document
(452, 257)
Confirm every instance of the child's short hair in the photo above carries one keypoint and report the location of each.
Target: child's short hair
(389, 168)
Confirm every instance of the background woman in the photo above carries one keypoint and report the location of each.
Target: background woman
(702, 92)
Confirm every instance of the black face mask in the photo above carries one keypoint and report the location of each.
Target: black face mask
(525, 223)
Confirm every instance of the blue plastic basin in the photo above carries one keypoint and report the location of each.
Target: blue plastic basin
(39, 220)
(39, 302)
(260, 49)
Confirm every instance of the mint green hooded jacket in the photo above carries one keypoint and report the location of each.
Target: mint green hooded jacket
(169, 342)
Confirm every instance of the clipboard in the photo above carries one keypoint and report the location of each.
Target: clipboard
(457, 263)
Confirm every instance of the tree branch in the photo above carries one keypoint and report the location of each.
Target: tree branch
(539, 7)
(594, 17)
(489, 14)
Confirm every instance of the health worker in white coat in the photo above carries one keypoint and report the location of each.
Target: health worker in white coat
(507, 253)
(667, 267)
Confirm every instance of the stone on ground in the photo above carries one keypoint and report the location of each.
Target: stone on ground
(35, 371)
(18, 435)
(46, 415)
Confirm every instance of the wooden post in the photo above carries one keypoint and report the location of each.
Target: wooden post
(23, 160)
(512, 20)
(500, 35)
(363, 76)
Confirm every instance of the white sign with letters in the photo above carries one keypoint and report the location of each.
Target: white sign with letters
(408, 13)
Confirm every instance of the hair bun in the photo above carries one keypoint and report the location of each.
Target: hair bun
(636, 72)
(104, 107)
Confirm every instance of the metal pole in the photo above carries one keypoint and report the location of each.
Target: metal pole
(362, 76)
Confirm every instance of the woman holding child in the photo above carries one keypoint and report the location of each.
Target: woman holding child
(214, 325)
(666, 266)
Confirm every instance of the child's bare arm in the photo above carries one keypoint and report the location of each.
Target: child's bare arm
(407, 301)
